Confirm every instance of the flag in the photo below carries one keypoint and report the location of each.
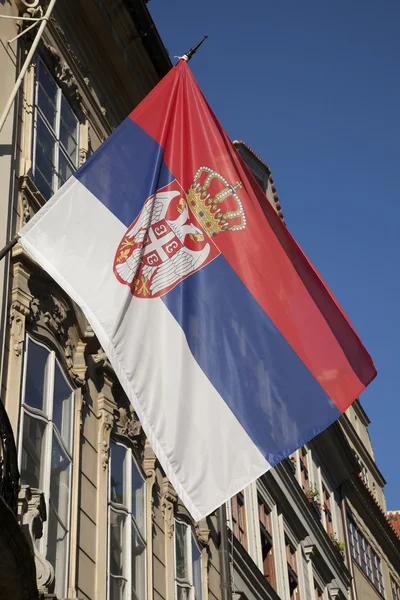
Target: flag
(229, 345)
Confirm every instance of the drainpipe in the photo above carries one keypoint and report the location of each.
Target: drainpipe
(347, 542)
(226, 590)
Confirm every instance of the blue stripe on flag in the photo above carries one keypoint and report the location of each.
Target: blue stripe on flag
(125, 171)
(263, 381)
(258, 374)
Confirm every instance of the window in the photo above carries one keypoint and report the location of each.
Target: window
(305, 480)
(46, 450)
(292, 571)
(363, 472)
(55, 144)
(377, 573)
(317, 592)
(127, 526)
(365, 556)
(239, 518)
(395, 590)
(327, 509)
(187, 564)
(266, 543)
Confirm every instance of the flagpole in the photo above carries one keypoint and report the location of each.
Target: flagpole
(192, 50)
(8, 247)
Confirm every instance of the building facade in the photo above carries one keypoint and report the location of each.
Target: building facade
(85, 509)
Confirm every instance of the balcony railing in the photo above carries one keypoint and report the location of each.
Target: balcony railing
(9, 474)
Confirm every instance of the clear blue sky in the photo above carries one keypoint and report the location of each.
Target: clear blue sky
(314, 88)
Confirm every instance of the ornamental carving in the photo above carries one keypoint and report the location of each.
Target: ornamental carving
(128, 425)
(105, 431)
(29, 8)
(202, 533)
(32, 513)
(53, 314)
(18, 313)
(66, 80)
(168, 500)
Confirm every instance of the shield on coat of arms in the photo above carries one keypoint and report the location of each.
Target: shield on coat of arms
(164, 245)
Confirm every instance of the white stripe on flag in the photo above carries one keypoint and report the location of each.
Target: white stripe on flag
(205, 452)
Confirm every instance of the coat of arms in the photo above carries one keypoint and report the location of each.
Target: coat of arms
(173, 235)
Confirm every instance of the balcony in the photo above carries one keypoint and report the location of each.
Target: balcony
(9, 474)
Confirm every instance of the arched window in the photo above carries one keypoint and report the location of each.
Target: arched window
(188, 581)
(127, 526)
(45, 450)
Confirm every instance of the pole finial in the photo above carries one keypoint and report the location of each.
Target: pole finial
(189, 54)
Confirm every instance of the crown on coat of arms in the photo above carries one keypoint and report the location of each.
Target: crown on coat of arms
(215, 203)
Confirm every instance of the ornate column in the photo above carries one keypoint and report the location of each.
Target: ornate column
(149, 466)
(168, 500)
(20, 310)
(105, 414)
(203, 536)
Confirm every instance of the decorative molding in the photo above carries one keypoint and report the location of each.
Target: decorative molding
(101, 360)
(168, 500)
(54, 315)
(18, 312)
(105, 433)
(202, 533)
(128, 425)
(149, 467)
(29, 8)
(32, 514)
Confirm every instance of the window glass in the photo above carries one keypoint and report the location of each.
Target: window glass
(62, 406)
(36, 376)
(32, 450)
(118, 457)
(56, 135)
(45, 460)
(47, 94)
(57, 551)
(196, 561)
(138, 491)
(127, 526)
(117, 525)
(117, 588)
(138, 564)
(68, 130)
(180, 551)
(59, 480)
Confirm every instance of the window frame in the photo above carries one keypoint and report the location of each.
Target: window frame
(265, 525)
(304, 470)
(130, 521)
(54, 131)
(365, 556)
(189, 583)
(239, 524)
(51, 431)
(292, 569)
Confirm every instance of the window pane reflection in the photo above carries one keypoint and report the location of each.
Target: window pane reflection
(57, 552)
(32, 449)
(62, 406)
(59, 480)
(36, 376)
(180, 551)
(118, 458)
(117, 526)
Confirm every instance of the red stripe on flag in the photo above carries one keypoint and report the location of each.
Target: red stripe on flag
(264, 254)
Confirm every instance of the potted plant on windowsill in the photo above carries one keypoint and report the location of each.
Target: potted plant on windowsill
(337, 543)
(292, 463)
(313, 498)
